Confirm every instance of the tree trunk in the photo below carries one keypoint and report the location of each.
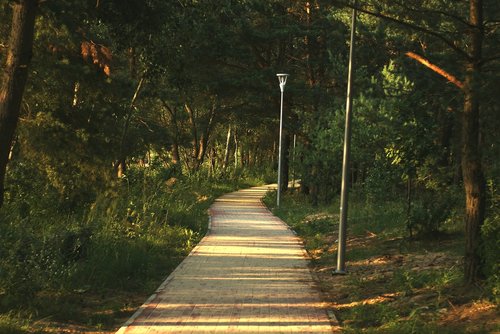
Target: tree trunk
(194, 139)
(204, 139)
(409, 194)
(173, 123)
(213, 161)
(472, 173)
(121, 168)
(176, 158)
(226, 152)
(313, 186)
(236, 148)
(120, 164)
(273, 155)
(14, 78)
(474, 182)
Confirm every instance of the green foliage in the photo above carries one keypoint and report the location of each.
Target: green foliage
(384, 216)
(429, 212)
(127, 239)
(409, 281)
(315, 223)
(490, 234)
(11, 324)
(373, 315)
(319, 166)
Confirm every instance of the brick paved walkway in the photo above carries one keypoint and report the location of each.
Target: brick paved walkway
(248, 275)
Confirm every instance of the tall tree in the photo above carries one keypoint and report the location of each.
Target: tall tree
(465, 43)
(14, 78)
(472, 170)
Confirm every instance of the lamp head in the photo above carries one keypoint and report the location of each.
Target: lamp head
(282, 79)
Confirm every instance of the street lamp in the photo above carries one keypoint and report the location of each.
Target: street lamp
(282, 79)
(347, 152)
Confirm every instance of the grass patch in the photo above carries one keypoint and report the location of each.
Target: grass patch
(17, 323)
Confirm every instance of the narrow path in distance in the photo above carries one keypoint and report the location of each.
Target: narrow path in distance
(248, 275)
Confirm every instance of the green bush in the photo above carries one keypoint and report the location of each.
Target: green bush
(429, 211)
(490, 235)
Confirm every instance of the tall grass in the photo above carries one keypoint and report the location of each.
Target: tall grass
(382, 217)
(127, 239)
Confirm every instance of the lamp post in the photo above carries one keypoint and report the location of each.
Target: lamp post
(282, 79)
(345, 163)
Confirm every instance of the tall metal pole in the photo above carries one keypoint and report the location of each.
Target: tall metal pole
(282, 79)
(347, 153)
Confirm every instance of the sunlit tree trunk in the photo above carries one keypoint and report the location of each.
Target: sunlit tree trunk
(121, 168)
(236, 149)
(14, 78)
(226, 152)
(176, 158)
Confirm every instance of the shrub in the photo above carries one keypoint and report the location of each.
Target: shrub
(428, 212)
(490, 235)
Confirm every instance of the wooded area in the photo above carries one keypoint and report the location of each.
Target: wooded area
(107, 106)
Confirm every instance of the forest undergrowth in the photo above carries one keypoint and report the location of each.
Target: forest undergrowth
(87, 268)
(394, 283)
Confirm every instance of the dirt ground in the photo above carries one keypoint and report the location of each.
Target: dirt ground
(371, 281)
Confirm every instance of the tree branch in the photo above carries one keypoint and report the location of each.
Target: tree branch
(169, 109)
(451, 78)
(121, 152)
(136, 93)
(434, 11)
(412, 26)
